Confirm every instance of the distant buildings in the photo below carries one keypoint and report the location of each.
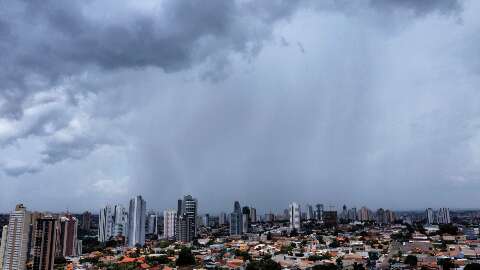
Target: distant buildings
(136, 222)
(236, 220)
(67, 236)
(245, 219)
(294, 213)
(169, 222)
(253, 215)
(44, 243)
(186, 229)
(15, 256)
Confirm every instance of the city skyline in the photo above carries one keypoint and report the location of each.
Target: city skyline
(369, 102)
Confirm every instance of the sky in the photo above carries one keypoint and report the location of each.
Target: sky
(369, 102)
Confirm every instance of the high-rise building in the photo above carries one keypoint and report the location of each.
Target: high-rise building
(136, 221)
(86, 221)
(319, 212)
(236, 220)
(17, 239)
(222, 219)
(151, 223)
(119, 221)
(443, 216)
(169, 221)
(187, 219)
(429, 215)
(294, 213)
(310, 212)
(45, 239)
(67, 236)
(3, 244)
(344, 214)
(246, 219)
(105, 224)
(381, 216)
(253, 215)
(352, 214)
(330, 218)
(364, 214)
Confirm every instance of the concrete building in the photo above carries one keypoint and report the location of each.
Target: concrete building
(253, 215)
(151, 223)
(310, 213)
(3, 244)
(443, 216)
(136, 221)
(119, 221)
(169, 223)
(45, 240)
(105, 224)
(67, 236)
(319, 212)
(429, 216)
(17, 239)
(86, 221)
(294, 215)
(186, 219)
(236, 220)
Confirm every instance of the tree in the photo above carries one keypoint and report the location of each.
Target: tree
(411, 260)
(446, 264)
(264, 264)
(185, 257)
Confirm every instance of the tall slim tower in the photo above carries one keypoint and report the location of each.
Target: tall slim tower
(169, 222)
(136, 221)
(105, 224)
(17, 240)
(294, 211)
(45, 234)
(236, 220)
(3, 244)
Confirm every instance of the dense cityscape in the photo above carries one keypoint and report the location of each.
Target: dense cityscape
(310, 237)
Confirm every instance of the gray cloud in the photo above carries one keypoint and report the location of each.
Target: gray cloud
(209, 98)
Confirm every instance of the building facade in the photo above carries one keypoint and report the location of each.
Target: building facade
(15, 256)
(136, 221)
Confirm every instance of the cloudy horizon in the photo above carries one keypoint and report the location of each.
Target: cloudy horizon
(366, 102)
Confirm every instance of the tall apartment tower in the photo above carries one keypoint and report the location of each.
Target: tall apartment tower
(169, 222)
(294, 212)
(319, 212)
(236, 220)
(86, 221)
(67, 236)
(443, 216)
(3, 244)
(246, 219)
(119, 221)
(186, 229)
(253, 215)
(151, 226)
(429, 216)
(45, 239)
(105, 224)
(136, 221)
(17, 239)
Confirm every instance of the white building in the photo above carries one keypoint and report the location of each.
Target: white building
(294, 212)
(136, 221)
(3, 244)
(105, 224)
(17, 239)
(169, 223)
(443, 216)
(429, 215)
(120, 221)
